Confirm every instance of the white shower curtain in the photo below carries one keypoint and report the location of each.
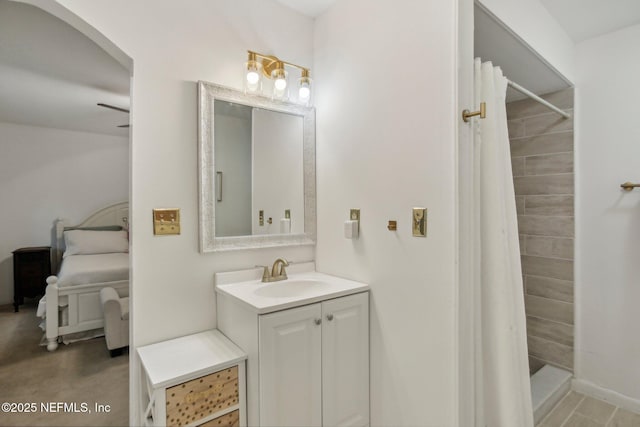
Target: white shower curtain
(503, 393)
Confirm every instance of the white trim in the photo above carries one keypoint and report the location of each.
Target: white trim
(465, 274)
(577, 239)
(613, 397)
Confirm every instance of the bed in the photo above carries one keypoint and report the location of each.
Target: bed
(96, 257)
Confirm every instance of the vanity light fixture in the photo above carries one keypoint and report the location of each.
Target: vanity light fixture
(274, 68)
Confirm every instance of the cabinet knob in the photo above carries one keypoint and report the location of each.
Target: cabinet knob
(318, 321)
(329, 317)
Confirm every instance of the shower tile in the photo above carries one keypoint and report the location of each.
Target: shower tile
(596, 410)
(547, 267)
(549, 205)
(527, 107)
(557, 354)
(561, 142)
(517, 166)
(545, 308)
(547, 123)
(550, 330)
(535, 365)
(515, 128)
(538, 225)
(561, 412)
(520, 205)
(623, 418)
(548, 164)
(544, 184)
(559, 247)
(561, 290)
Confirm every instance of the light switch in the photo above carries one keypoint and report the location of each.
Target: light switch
(166, 221)
(419, 222)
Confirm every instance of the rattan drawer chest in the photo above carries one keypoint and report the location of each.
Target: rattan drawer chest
(196, 380)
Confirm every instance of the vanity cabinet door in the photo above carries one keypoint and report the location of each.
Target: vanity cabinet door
(290, 367)
(345, 361)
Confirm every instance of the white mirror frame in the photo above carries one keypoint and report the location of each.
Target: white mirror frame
(207, 93)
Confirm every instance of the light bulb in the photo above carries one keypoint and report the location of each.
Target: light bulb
(252, 69)
(304, 88)
(252, 77)
(304, 93)
(280, 84)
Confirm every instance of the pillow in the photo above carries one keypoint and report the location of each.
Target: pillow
(87, 242)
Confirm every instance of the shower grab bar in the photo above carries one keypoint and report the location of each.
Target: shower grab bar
(536, 98)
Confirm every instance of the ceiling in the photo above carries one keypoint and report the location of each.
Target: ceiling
(583, 19)
(51, 75)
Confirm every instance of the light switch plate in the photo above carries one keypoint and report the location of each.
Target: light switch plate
(354, 215)
(419, 222)
(166, 221)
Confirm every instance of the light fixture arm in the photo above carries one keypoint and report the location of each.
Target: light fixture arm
(270, 62)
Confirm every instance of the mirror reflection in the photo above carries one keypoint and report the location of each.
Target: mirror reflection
(257, 171)
(258, 161)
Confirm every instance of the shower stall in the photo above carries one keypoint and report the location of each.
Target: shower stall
(542, 158)
(541, 139)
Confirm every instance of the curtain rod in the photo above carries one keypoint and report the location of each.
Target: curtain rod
(536, 98)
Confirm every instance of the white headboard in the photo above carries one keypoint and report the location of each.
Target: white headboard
(117, 214)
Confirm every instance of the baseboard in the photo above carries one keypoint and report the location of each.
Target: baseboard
(615, 398)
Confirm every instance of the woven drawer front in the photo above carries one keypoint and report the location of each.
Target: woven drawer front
(199, 398)
(232, 419)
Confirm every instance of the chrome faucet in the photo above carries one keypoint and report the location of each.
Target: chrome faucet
(276, 274)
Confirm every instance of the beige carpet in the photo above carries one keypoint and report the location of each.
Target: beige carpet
(78, 373)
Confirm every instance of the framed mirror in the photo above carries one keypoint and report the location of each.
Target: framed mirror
(257, 177)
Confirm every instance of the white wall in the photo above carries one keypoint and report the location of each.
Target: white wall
(385, 80)
(50, 173)
(531, 21)
(608, 219)
(173, 44)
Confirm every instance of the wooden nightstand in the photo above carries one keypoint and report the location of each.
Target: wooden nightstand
(31, 267)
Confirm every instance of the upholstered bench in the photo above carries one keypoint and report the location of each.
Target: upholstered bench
(116, 320)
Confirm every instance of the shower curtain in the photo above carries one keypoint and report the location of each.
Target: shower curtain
(503, 391)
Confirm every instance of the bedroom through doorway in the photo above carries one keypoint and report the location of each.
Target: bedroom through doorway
(64, 241)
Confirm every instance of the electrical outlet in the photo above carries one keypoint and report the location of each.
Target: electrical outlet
(166, 221)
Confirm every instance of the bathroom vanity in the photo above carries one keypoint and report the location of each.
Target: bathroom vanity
(307, 340)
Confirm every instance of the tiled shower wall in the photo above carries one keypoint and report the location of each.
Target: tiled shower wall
(542, 159)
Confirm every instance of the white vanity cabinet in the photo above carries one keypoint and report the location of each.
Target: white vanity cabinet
(307, 365)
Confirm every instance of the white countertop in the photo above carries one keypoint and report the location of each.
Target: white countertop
(177, 360)
(246, 288)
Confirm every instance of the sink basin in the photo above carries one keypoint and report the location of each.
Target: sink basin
(304, 286)
(291, 288)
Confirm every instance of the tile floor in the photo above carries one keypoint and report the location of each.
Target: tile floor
(578, 410)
